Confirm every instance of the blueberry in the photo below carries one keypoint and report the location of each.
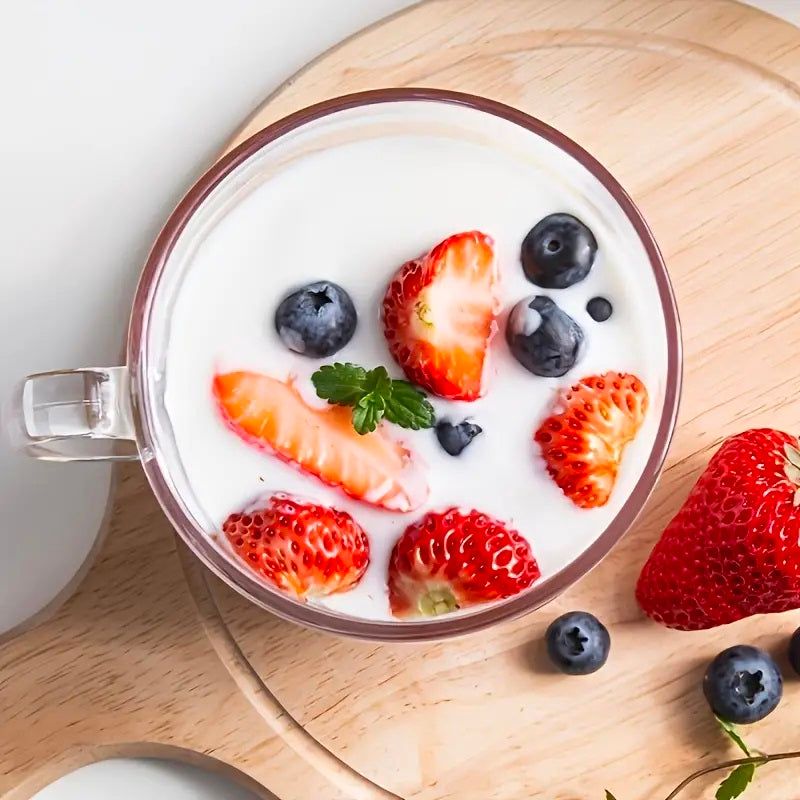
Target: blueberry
(543, 338)
(794, 651)
(454, 438)
(577, 643)
(599, 309)
(317, 320)
(558, 252)
(743, 684)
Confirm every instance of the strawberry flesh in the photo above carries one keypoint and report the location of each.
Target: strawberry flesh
(439, 316)
(454, 559)
(304, 549)
(583, 441)
(272, 415)
(733, 549)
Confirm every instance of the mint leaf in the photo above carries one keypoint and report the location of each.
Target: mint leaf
(408, 407)
(379, 382)
(610, 796)
(368, 413)
(341, 384)
(734, 736)
(372, 395)
(736, 782)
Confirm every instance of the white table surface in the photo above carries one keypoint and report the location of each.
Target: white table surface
(134, 779)
(111, 110)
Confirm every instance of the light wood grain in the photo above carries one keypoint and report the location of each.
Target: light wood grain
(695, 106)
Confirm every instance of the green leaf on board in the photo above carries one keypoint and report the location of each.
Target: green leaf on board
(730, 730)
(736, 782)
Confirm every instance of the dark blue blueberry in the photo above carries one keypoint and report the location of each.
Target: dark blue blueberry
(794, 651)
(743, 684)
(558, 252)
(577, 643)
(317, 320)
(544, 339)
(599, 309)
(454, 438)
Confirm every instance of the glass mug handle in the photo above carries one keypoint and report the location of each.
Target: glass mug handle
(74, 415)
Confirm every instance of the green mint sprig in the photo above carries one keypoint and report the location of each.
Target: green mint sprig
(373, 396)
(736, 782)
(740, 777)
(742, 769)
(730, 731)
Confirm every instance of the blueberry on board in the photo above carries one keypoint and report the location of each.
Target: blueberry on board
(454, 438)
(743, 684)
(543, 338)
(577, 643)
(316, 320)
(794, 651)
(558, 252)
(599, 309)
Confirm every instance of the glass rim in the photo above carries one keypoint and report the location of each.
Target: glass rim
(315, 616)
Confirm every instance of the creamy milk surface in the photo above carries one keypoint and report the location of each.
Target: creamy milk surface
(352, 214)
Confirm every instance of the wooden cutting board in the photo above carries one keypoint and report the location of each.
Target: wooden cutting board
(695, 107)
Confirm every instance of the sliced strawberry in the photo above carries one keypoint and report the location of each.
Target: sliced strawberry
(271, 414)
(455, 559)
(583, 441)
(304, 549)
(439, 316)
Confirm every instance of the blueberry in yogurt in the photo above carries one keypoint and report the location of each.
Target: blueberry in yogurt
(599, 309)
(455, 438)
(316, 320)
(543, 338)
(558, 252)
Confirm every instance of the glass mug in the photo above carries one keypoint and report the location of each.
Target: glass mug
(118, 413)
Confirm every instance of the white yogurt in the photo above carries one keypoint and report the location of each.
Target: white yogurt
(352, 213)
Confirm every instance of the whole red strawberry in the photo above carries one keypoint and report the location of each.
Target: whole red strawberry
(454, 559)
(305, 549)
(439, 315)
(733, 550)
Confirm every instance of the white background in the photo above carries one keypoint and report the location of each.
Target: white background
(110, 110)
